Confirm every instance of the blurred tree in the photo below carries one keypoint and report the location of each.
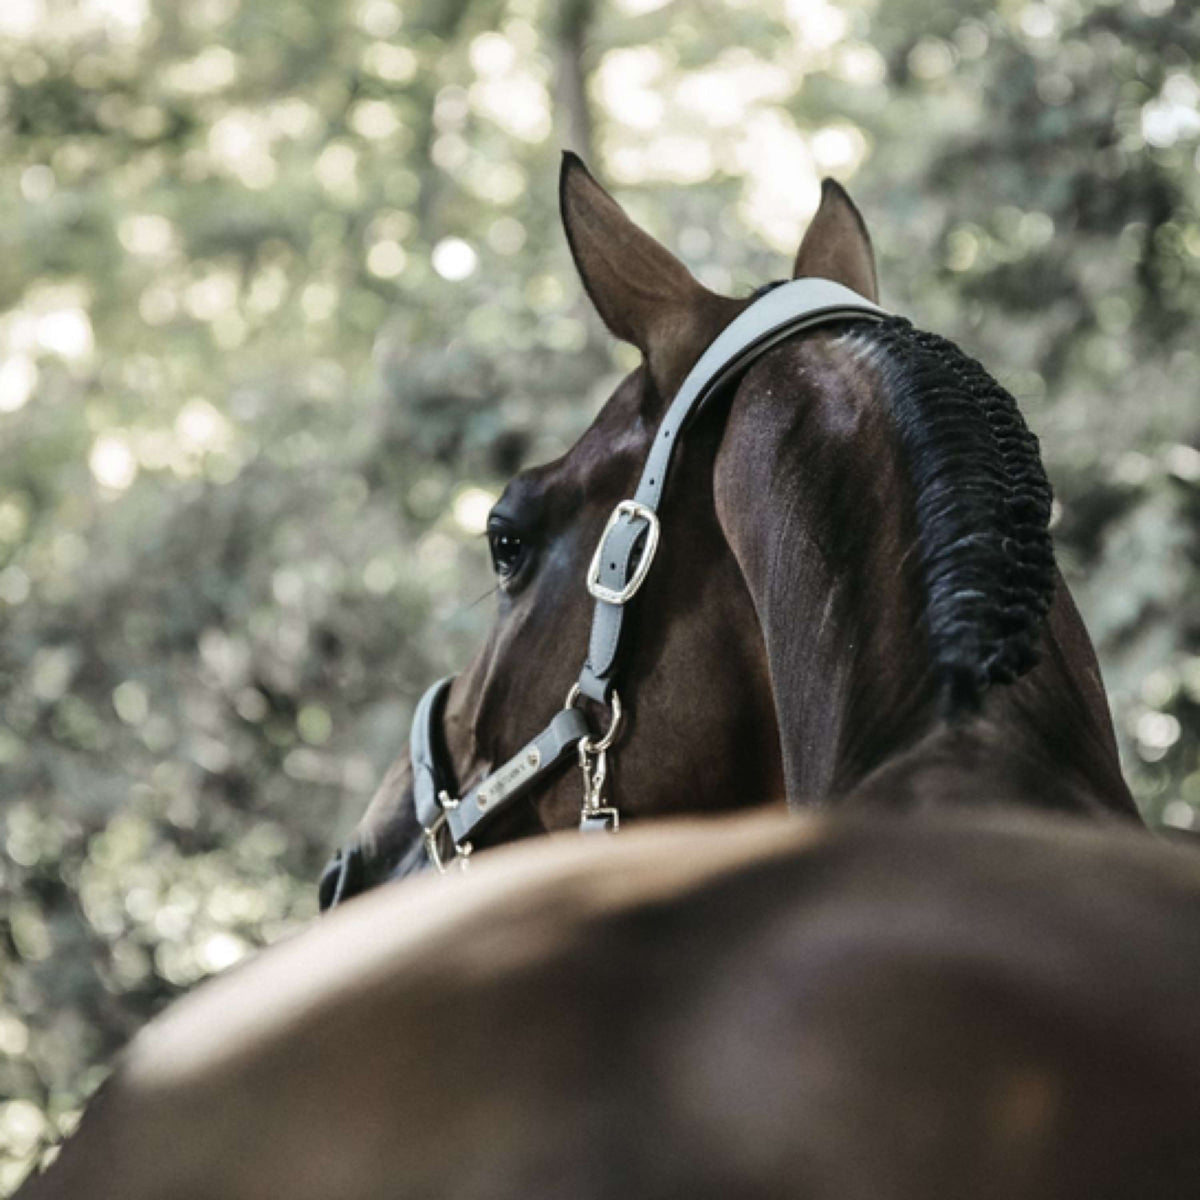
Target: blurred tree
(283, 300)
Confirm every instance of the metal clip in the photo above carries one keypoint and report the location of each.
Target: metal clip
(595, 815)
(593, 765)
(595, 770)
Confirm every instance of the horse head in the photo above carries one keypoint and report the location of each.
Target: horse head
(698, 724)
(854, 595)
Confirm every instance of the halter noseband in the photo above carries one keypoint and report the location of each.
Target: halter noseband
(621, 562)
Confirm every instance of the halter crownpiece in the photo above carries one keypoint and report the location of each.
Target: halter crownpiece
(618, 569)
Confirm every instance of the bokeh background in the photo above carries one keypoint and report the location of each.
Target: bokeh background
(283, 301)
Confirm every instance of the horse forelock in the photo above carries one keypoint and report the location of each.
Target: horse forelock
(982, 509)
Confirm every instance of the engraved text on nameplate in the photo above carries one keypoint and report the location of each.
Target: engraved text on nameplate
(510, 777)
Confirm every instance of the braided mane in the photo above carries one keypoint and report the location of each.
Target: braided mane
(982, 510)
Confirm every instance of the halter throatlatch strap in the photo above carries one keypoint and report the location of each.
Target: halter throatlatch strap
(622, 559)
(627, 546)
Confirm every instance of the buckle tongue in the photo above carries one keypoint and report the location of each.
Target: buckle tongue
(634, 511)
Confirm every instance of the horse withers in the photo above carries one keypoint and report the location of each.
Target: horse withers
(852, 598)
(990, 1004)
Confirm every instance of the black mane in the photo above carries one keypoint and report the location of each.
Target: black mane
(982, 510)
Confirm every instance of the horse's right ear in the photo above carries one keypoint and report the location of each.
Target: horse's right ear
(642, 292)
(837, 246)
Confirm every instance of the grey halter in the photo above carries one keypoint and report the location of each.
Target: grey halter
(618, 569)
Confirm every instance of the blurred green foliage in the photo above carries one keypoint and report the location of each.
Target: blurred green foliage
(283, 299)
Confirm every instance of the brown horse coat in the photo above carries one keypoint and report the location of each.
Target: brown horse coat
(998, 1006)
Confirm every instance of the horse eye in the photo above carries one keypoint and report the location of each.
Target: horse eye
(508, 551)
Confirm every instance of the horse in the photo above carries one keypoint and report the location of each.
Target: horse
(996, 1003)
(851, 598)
(979, 995)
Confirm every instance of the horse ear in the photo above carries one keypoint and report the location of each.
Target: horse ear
(642, 292)
(837, 245)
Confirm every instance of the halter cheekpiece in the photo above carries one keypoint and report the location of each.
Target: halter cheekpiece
(623, 558)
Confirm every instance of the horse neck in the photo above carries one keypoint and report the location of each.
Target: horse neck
(815, 502)
(1045, 741)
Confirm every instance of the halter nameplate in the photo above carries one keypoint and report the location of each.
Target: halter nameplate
(622, 559)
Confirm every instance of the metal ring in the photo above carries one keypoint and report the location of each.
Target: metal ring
(610, 734)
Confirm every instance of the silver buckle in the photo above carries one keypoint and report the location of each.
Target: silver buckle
(632, 509)
(432, 848)
(433, 834)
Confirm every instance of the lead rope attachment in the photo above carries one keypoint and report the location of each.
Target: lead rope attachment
(594, 815)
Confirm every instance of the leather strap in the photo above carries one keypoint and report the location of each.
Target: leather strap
(787, 309)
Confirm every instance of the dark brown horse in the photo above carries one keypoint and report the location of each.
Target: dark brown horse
(853, 584)
(999, 1005)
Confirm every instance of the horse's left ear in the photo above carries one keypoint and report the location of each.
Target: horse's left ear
(642, 292)
(837, 245)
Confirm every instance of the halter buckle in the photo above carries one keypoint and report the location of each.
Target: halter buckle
(433, 835)
(633, 510)
(433, 850)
